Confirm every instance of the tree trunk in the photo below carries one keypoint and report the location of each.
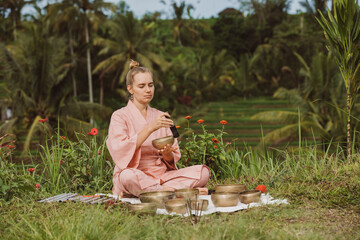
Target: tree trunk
(101, 89)
(88, 59)
(72, 59)
(348, 140)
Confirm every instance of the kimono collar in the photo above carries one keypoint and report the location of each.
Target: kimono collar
(136, 112)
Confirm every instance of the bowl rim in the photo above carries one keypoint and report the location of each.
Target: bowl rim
(163, 138)
(157, 193)
(250, 192)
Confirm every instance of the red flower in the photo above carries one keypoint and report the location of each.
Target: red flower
(223, 122)
(188, 117)
(178, 126)
(228, 143)
(31, 169)
(10, 146)
(62, 161)
(215, 147)
(93, 132)
(99, 152)
(215, 140)
(37, 186)
(262, 188)
(43, 120)
(62, 137)
(200, 121)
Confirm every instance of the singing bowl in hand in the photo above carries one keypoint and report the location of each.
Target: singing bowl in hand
(160, 143)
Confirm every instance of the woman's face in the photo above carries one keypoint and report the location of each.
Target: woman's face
(142, 88)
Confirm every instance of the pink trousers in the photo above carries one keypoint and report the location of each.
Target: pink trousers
(129, 181)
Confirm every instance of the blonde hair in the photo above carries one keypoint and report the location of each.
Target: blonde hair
(135, 68)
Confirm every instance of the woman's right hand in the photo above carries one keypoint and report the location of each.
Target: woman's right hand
(163, 120)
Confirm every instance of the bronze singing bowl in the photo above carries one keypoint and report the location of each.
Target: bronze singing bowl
(200, 204)
(160, 143)
(250, 196)
(158, 197)
(176, 205)
(225, 199)
(143, 208)
(230, 188)
(187, 193)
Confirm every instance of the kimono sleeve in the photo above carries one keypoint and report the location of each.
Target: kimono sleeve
(121, 145)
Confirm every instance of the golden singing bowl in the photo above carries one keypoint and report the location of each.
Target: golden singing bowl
(187, 193)
(176, 205)
(225, 199)
(250, 196)
(160, 143)
(200, 204)
(143, 208)
(230, 188)
(158, 197)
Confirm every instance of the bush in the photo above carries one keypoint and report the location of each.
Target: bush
(206, 148)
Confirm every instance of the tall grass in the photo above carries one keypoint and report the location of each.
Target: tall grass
(75, 165)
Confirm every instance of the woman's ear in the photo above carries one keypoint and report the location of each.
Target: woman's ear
(130, 90)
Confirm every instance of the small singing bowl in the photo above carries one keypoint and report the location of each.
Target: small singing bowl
(158, 197)
(230, 188)
(225, 199)
(160, 143)
(200, 204)
(176, 205)
(143, 208)
(250, 196)
(187, 193)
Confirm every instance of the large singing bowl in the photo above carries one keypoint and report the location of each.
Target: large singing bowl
(158, 197)
(143, 208)
(176, 205)
(230, 188)
(187, 193)
(250, 196)
(160, 143)
(225, 199)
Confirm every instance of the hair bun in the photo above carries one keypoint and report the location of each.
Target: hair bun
(133, 64)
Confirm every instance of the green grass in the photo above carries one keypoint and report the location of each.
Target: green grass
(77, 221)
(321, 187)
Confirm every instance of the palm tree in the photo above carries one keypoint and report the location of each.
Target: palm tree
(319, 102)
(342, 32)
(15, 7)
(130, 39)
(68, 14)
(36, 80)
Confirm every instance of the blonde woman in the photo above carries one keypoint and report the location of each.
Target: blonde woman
(139, 167)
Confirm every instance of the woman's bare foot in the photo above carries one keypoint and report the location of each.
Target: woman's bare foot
(203, 191)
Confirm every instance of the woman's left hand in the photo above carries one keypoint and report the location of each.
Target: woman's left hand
(166, 152)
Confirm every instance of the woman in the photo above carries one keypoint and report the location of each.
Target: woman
(139, 167)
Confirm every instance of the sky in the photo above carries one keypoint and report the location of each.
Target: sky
(202, 8)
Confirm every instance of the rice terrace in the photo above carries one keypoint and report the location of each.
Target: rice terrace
(121, 123)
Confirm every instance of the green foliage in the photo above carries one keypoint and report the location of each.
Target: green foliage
(76, 165)
(14, 182)
(206, 148)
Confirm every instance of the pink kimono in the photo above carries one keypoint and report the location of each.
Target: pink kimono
(142, 169)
